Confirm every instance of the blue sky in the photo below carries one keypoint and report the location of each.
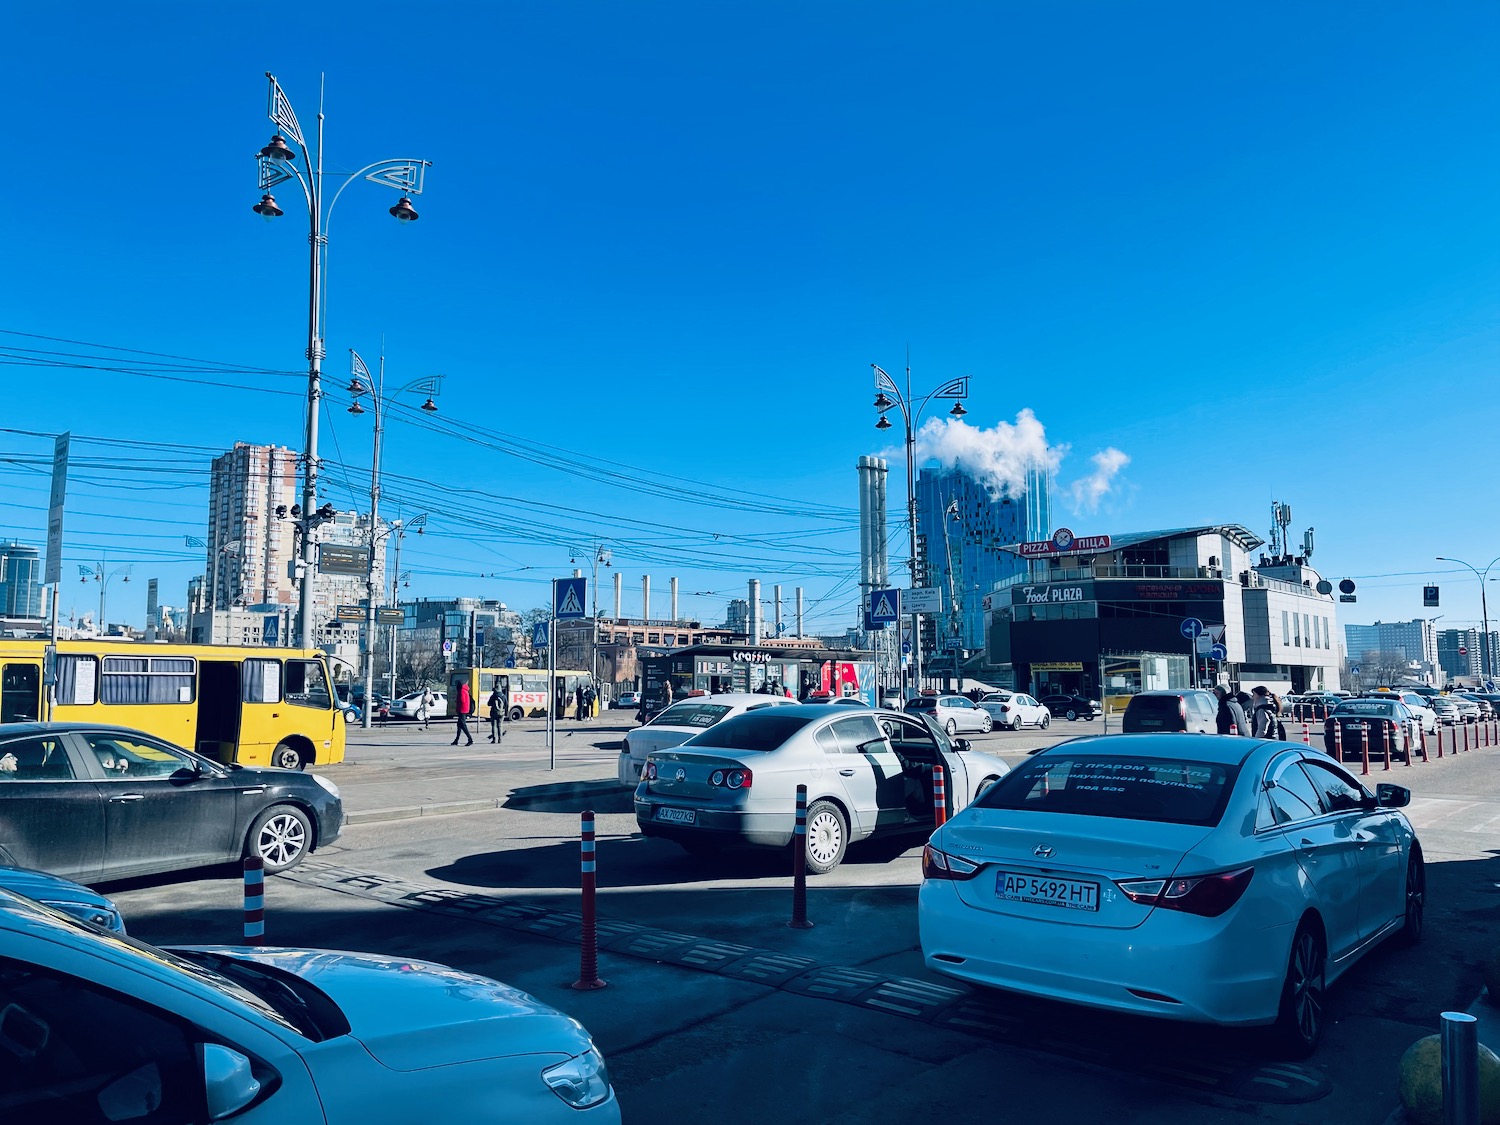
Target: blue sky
(1254, 249)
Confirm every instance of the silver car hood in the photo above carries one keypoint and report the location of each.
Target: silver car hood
(411, 1015)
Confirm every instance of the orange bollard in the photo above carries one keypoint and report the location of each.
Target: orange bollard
(799, 864)
(588, 955)
(1306, 734)
(1466, 738)
(1422, 738)
(1338, 742)
(1388, 742)
(939, 796)
(1364, 747)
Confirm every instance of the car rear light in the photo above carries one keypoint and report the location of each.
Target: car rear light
(648, 771)
(940, 865)
(1205, 895)
(732, 779)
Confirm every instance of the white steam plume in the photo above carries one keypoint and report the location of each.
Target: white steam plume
(998, 458)
(1088, 492)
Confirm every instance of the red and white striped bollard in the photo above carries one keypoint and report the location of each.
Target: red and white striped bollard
(588, 958)
(255, 900)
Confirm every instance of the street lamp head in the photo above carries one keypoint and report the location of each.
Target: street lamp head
(429, 405)
(883, 424)
(277, 149)
(267, 208)
(883, 403)
(356, 387)
(404, 212)
(958, 410)
(356, 408)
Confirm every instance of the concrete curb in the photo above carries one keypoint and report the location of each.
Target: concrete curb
(410, 812)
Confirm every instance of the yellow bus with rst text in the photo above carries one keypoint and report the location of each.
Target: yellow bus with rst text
(525, 690)
(254, 706)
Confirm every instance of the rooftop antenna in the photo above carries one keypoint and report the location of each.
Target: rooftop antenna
(1281, 519)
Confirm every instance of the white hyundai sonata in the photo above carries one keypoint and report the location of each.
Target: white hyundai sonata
(1217, 879)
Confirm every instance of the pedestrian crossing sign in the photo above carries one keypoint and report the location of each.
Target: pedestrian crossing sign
(885, 606)
(539, 635)
(567, 598)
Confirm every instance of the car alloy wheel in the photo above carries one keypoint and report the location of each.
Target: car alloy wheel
(1299, 1022)
(1416, 897)
(1046, 721)
(280, 836)
(987, 725)
(827, 837)
(952, 726)
(1072, 715)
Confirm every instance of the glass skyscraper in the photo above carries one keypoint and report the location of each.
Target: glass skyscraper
(961, 523)
(20, 581)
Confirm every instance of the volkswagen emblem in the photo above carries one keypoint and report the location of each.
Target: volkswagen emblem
(682, 775)
(1043, 851)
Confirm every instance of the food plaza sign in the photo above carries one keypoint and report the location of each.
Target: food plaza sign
(1040, 595)
(1064, 542)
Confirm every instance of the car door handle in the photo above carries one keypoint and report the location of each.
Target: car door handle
(846, 773)
(121, 798)
(1307, 844)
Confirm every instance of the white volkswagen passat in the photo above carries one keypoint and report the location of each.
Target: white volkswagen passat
(95, 1026)
(682, 721)
(1216, 879)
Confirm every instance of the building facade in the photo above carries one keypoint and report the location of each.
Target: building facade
(1461, 653)
(1411, 646)
(962, 525)
(20, 581)
(1109, 615)
(248, 551)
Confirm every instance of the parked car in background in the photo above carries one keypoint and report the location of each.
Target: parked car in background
(1426, 717)
(1372, 725)
(1071, 707)
(627, 699)
(94, 803)
(407, 706)
(682, 720)
(63, 894)
(1486, 708)
(868, 773)
(836, 700)
(1446, 709)
(954, 713)
(1468, 710)
(1014, 710)
(1189, 710)
(113, 1029)
(1206, 880)
(891, 699)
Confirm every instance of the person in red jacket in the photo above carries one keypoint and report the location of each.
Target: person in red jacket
(465, 709)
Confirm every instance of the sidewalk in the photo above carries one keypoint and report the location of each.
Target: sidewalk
(401, 771)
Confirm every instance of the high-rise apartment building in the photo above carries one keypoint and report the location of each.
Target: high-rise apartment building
(20, 580)
(961, 524)
(248, 549)
(1414, 642)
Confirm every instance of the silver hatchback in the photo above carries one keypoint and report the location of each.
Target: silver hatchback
(868, 773)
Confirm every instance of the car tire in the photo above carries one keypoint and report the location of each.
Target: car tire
(827, 837)
(1072, 715)
(984, 787)
(1046, 721)
(1415, 906)
(281, 835)
(1299, 1018)
(350, 718)
(515, 715)
(987, 725)
(286, 756)
(951, 727)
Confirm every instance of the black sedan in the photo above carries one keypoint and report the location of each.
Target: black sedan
(95, 803)
(1374, 727)
(1071, 707)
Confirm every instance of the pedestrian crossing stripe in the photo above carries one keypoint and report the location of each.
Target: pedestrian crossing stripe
(883, 607)
(570, 603)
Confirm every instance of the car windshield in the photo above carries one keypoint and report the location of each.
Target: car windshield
(691, 715)
(1377, 707)
(1165, 790)
(754, 730)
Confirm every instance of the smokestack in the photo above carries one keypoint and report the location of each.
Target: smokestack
(865, 466)
(881, 566)
(799, 611)
(673, 580)
(754, 626)
(619, 580)
(776, 593)
(645, 597)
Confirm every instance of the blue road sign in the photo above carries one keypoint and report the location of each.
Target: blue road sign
(885, 607)
(1219, 653)
(270, 629)
(539, 635)
(1191, 628)
(478, 638)
(906, 647)
(567, 598)
(1354, 669)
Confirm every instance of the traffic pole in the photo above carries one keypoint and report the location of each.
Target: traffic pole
(1466, 738)
(799, 864)
(1306, 733)
(588, 959)
(255, 900)
(1440, 738)
(939, 796)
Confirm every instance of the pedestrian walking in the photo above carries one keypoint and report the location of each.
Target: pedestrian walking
(578, 708)
(465, 709)
(1231, 718)
(424, 709)
(1267, 708)
(496, 706)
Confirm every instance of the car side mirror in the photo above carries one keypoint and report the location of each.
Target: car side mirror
(961, 744)
(228, 1081)
(1388, 796)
